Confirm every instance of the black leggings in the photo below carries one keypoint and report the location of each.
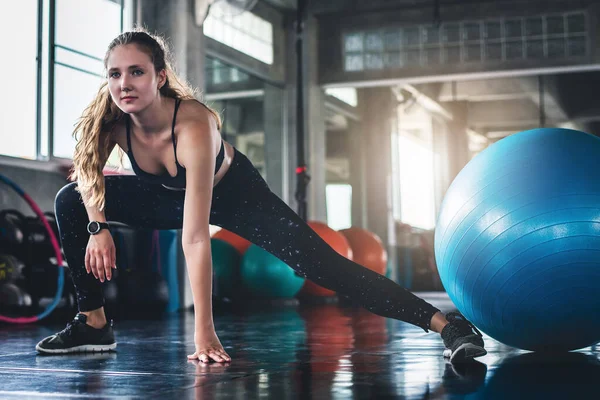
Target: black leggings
(242, 203)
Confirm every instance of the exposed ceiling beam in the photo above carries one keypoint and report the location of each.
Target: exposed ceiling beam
(482, 90)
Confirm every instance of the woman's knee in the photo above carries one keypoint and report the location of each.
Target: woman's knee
(67, 195)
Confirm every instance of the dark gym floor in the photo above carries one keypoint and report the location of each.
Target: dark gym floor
(318, 352)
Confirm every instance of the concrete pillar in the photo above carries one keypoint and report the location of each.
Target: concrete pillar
(458, 140)
(290, 155)
(358, 174)
(275, 143)
(175, 21)
(441, 161)
(378, 116)
(315, 124)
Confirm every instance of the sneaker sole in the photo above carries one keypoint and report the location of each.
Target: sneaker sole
(465, 353)
(88, 348)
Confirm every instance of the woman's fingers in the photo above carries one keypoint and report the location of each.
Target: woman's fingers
(224, 355)
(93, 267)
(100, 267)
(114, 257)
(107, 265)
(215, 356)
(87, 262)
(210, 354)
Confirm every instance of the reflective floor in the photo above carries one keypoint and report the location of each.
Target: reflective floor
(307, 352)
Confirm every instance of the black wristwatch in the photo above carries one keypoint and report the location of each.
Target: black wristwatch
(94, 227)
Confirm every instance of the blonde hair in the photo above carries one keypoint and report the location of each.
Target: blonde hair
(102, 114)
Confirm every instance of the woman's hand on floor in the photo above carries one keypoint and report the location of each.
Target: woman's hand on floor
(208, 347)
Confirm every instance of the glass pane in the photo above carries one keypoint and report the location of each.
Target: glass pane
(431, 35)
(18, 121)
(373, 61)
(339, 206)
(411, 37)
(374, 41)
(392, 60)
(451, 33)
(73, 59)
(245, 32)
(514, 50)
(347, 95)
(392, 40)
(433, 56)
(353, 42)
(513, 28)
(576, 23)
(576, 46)
(493, 30)
(412, 58)
(473, 52)
(18, 104)
(535, 49)
(354, 62)
(471, 31)
(555, 25)
(534, 26)
(416, 182)
(74, 90)
(556, 48)
(493, 52)
(102, 17)
(451, 54)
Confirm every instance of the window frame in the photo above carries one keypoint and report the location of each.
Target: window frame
(48, 21)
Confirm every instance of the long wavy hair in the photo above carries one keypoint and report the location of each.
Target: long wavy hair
(93, 129)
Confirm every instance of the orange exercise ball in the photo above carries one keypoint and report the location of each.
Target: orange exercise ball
(339, 243)
(240, 244)
(367, 249)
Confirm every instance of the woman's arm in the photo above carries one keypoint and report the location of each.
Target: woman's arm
(196, 153)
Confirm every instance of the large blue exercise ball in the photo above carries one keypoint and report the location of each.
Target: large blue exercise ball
(517, 243)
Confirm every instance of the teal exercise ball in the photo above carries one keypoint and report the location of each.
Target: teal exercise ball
(226, 269)
(517, 242)
(264, 275)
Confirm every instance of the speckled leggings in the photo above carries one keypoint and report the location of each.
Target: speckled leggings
(243, 204)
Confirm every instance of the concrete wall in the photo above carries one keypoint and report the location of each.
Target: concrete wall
(41, 184)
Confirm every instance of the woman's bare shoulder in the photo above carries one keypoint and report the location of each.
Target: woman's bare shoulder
(194, 111)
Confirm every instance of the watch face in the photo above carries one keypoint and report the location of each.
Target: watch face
(94, 227)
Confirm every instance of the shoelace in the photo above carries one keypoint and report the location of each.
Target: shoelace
(460, 319)
(68, 331)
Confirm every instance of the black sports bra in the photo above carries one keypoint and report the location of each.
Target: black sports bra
(177, 181)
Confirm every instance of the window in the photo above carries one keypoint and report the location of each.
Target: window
(413, 160)
(244, 32)
(339, 206)
(78, 67)
(347, 95)
(19, 29)
(416, 182)
(40, 92)
(539, 37)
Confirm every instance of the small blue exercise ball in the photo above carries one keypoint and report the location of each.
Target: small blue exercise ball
(517, 243)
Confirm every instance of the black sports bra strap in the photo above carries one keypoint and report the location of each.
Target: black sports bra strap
(127, 129)
(177, 102)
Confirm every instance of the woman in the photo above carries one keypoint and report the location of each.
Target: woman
(188, 177)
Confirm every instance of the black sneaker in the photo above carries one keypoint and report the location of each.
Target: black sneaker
(79, 337)
(462, 339)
